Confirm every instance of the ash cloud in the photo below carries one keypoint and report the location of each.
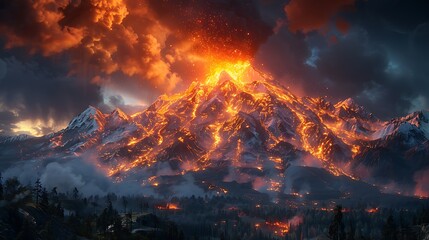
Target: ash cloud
(310, 15)
(372, 51)
(231, 28)
(135, 46)
(134, 38)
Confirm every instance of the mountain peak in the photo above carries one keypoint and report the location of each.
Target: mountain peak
(119, 114)
(88, 121)
(91, 110)
(349, 108)
(348, 104)
(117, 118)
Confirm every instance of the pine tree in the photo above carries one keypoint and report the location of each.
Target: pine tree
(124, 203)
(109, 217)
(11, 187)
(389, 229)
(37, 191)
(54, 196)
(59, 211)
(336, 229)
(75, 194)
(1, 187)
(44, 202)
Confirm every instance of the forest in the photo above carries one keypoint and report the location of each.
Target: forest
(34, 212)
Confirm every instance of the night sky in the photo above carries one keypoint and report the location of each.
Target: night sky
(59, 56)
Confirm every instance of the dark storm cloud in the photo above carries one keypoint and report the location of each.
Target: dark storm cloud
(39, 89)
(7, 122)
(284, 55)
(400, 28)
(354, 67)
(382, 62)
(373, 51)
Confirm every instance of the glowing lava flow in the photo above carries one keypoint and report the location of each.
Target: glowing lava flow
(279, 228)
(236, 112)
(169, 206)
(235, 70)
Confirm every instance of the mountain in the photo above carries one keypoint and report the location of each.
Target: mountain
(243, 128)
(11, 139)
(397, 150)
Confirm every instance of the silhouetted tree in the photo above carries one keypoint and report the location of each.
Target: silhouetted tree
(54, 196)
(75, 194)
(336, 229)
(109, 219)
(27, 232)
(44, 202)
(124, 203)
(47, 231)
(389, 229)
(351, 234)
(37, 191)
(59, 210)
(11, 188)
(1, 187)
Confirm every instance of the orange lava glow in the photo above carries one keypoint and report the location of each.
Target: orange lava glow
(230, 90)
(372, 210)
(169, 206)
(235, 70)
(279, 228)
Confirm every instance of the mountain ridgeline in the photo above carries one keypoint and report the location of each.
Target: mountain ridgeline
(254, 132)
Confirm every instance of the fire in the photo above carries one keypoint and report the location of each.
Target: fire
(372, 210)
(279, 228)
(238, 72)
(133, 141)
(169, 206)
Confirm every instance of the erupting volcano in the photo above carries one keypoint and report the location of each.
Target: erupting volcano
(240, 126)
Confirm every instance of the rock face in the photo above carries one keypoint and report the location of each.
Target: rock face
(255, 129)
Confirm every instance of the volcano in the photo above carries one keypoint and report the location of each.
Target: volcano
(242, 128)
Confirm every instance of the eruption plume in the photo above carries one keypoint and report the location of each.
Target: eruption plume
(139, 39)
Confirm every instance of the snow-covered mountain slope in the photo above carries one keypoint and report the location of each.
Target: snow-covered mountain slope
(88, 121)
(256, 129)
(11, 139)
(413, 125)
(397, 150)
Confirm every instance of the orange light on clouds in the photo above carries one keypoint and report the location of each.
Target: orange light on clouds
(35, 127)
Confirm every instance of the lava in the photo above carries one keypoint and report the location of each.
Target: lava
(236, 72)
(279, 228)
(238, 118)
(169, 206)
(372, 210)
(220, 107)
